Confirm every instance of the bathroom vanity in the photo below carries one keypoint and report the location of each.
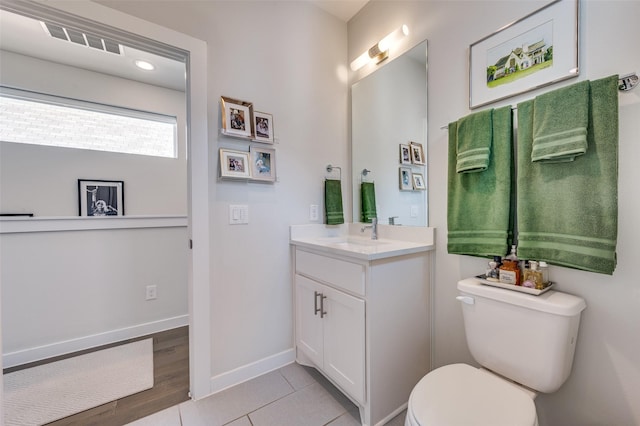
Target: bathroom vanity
(362, 311)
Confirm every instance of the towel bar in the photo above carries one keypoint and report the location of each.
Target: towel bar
(330, 169)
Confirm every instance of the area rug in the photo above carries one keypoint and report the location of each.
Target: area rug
(42, 394)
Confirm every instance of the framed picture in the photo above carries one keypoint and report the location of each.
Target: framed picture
(234, 164)
(263, 164)
(263, 125)
(405, 154)
(236, 116)
(532, 52)
(100, 197)
(417, 153)
(406, 180)
(418, 181)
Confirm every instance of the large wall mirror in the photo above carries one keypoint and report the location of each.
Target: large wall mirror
(389, 109)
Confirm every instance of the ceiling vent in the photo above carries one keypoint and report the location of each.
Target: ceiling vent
(84, 39)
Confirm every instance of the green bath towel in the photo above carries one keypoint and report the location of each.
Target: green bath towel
(479, 205)
(567, 212)
(333, 201)
(368, 198)
(474, 142)
(560, 124)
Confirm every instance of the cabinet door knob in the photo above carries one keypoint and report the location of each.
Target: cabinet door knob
(315, 303)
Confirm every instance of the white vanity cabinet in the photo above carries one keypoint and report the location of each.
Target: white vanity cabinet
(331, 333)
(364, 323)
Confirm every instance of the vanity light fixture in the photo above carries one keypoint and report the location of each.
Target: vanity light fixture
(144, 65)
(380, 51)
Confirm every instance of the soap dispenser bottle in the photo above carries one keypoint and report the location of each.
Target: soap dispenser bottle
(533, 277)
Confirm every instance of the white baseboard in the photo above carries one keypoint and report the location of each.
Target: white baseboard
(38, 353)
(251, 371)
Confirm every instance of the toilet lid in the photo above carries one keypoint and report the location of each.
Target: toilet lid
(460, 394)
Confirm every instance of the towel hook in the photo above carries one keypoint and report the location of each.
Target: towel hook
(365, 172)
(330, 169)
(627, 82)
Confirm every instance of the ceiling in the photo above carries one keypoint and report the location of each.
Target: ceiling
(343, 9)
(28, 37)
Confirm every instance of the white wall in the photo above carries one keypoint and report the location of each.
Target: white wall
(605, 382)
(289, 59)
(44, 180)
(65, 291)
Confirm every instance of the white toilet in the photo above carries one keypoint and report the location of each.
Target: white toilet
(525, 344)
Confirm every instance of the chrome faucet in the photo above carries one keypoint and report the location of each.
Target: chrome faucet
(392, 220)
(374, 228)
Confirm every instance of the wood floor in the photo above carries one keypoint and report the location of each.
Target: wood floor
(170, 378)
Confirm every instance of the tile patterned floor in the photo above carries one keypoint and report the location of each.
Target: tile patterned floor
(291, 396)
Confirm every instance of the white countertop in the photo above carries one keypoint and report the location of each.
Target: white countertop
(346, 240)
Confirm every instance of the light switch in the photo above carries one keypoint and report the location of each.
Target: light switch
(238, 214)
(414, 211)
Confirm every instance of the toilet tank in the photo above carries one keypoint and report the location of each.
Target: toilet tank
(526, 338)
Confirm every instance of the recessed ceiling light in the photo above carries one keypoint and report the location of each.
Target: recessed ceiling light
(147, 66)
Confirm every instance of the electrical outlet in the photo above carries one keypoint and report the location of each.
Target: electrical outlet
(152, 292)
(313, 212)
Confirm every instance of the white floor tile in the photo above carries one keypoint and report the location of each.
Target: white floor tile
(168, 417)
(235, 402)
(299, 376)
(243, 421)
(350, 418)
(310, 406)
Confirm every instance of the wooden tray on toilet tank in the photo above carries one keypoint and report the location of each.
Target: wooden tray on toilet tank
(518, 288)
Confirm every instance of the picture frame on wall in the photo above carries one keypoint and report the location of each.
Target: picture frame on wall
(405, 154)
(406, 179)
(236, 117)
(417, 153)
(100, 198)
(418, 181)
(263, 127)
(263, 164)
(234, 164)
(535, 51)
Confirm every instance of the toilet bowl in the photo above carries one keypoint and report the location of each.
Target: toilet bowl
(525, 344)
(462, 395)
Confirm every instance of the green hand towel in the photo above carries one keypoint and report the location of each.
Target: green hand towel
(479, 205)
(333, 201)
(474, 142)
(567, 212)
(560, 124)
(368, 198)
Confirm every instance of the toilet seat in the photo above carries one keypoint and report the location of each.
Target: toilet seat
(462, 395)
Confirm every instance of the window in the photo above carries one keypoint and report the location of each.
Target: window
(34, 118)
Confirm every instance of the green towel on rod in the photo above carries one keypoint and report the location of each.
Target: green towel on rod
(560, 124)
(333, 201)
(368, 199)
(567, 212)
(479, 205)
(474, 142)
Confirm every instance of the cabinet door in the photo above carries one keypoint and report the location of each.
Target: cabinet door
(344, 342)
(309, 324)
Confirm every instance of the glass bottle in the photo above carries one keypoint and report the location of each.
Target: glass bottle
(509, 272)
(544, 268)
(533, 277)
